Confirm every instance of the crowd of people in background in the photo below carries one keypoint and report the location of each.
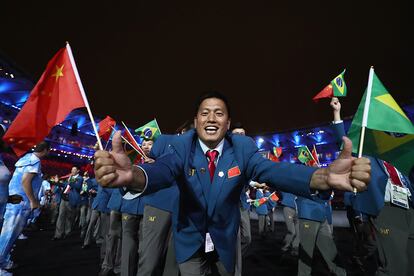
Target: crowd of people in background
(136, 233)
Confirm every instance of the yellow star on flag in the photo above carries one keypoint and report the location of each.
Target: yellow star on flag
(58, 73)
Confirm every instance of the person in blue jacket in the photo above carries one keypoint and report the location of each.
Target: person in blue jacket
(291, 240)
(26, 182)
(113, 240)
(364, 248)
(208, 165)
(56, 198)
(389, 207)
(271, 205)
(84, 204)
(261, 212)
(99, 217)
(315, 229)
(132, 209)
(69, 202)
(157, 221)
(92, 193)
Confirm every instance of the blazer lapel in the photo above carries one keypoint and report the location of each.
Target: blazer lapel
(201, 172)
(224, 163)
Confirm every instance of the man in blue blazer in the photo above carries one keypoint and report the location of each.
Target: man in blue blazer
(315, 229)
(68, 204)
(291, 240)
(157, 222)
(210, 167)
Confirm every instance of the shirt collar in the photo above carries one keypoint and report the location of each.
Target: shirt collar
(219, 147)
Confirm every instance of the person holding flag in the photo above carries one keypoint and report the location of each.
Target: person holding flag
(26, 182)
(245, 229)
(261, 210)
(68, 205)
(388, 204)
(209, 165)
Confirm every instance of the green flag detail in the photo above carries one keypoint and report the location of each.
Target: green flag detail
(389, 134)
(339, 86)
(149, 131)
(304, 155)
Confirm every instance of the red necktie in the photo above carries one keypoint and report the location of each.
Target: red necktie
(211, 156)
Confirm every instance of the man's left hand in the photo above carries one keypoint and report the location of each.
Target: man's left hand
(348, 172)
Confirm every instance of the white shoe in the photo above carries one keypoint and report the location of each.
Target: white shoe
(22, 237)
(5, 273)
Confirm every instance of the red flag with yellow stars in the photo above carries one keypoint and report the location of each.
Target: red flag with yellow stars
(55, 95)
(105, 128)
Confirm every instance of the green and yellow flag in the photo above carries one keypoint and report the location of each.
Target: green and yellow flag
(389, 132)
(304, 155)
(149, 131)
(336, 88)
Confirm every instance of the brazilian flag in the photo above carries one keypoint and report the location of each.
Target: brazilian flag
(149, 131)
(389, 134)
(304, 155)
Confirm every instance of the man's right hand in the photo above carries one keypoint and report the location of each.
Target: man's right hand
(114, 169)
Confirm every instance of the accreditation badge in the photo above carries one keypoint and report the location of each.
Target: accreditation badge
(399, 196)
(209, 243)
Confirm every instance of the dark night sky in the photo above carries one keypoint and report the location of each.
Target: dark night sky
(145, 59)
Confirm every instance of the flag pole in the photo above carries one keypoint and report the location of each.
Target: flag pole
(366, 111)
(365, 115)
(85, 100)
(126, 141)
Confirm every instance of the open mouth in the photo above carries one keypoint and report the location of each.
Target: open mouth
(211, 130)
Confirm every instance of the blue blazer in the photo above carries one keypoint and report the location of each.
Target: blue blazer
(165, 199)
(214, 207)
(316, 209)
(101, 200)
(262, 209)
(288, 200)
(243, 200)
(94, 186)
(115, 201)
(75, 188)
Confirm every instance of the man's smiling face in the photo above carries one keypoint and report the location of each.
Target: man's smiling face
(212, 121)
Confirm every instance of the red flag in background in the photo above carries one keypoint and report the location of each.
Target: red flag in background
(105, 128)
(133, 143)
(273, 197)
(315, 160)
(55, 95)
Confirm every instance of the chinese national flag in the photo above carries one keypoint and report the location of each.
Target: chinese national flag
(55, 95)
(315, 161)
(105, 128)
(128, 136)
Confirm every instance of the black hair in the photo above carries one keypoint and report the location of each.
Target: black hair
(186, 126)
(41, 146)
(212, 94)
(237, 125)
